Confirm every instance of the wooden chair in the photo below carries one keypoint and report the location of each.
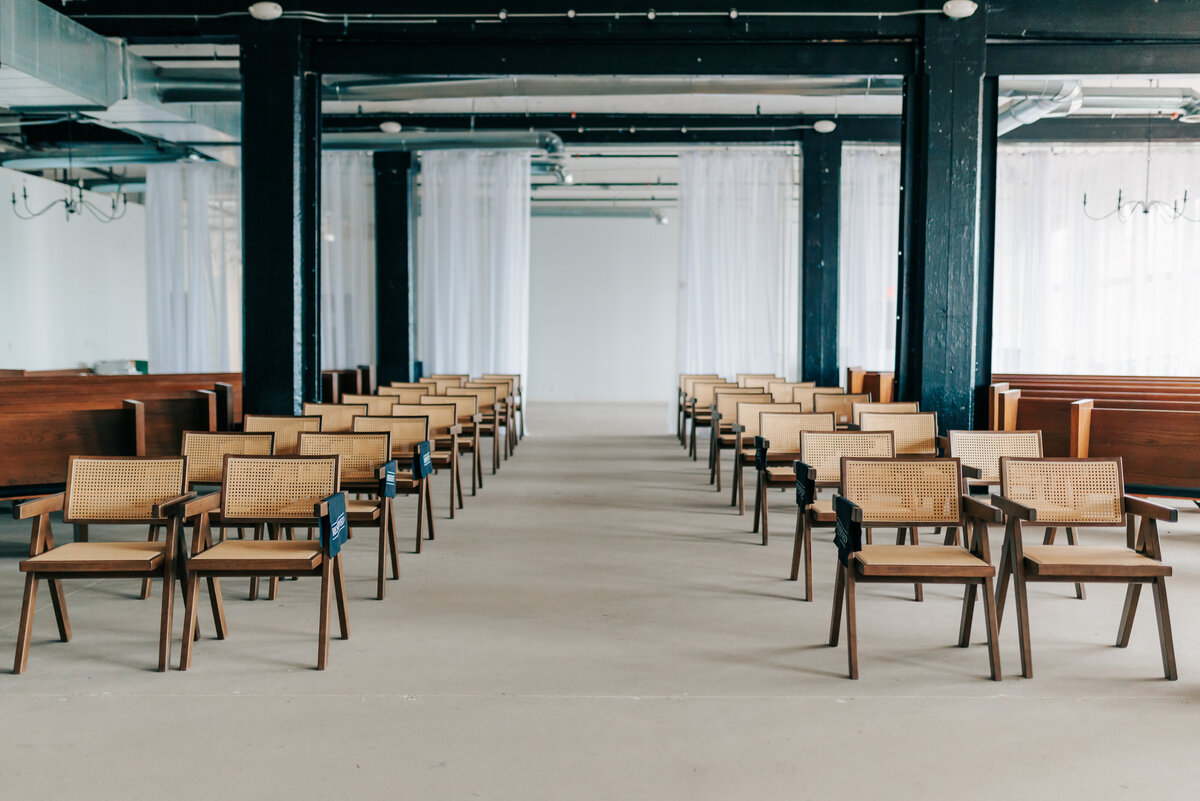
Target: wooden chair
(681, 403)
(485, 407)
(783, 430)
(782, 391)
(518, 397)
(258, 491)
(805, 395)
(444, 432)
(820, 467)
(857, 409)
(381, 405)
(406, 394)
(335, 417)
(743, 378)
(469, 418)
(745, 430)
(366, 467)
(286, 429)
(1081, 492)
(441, 384)
(759, 382)
(839, 403)
(723, 416)
(104, 491)
(854, 379)
(908, 493)
(461, 378)
(407, 434)
(504, 408)
(699, 407)
(916, 432)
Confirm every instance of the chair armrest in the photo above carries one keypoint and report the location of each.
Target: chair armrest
(856, 514)
(943, 443)
(1145, 508)
(39, 506)
(202, 505)
(172, 506)
(855, 427)
(973, 507)
(970, 472)
(1013, 508)
(454, 429)
(737, 428)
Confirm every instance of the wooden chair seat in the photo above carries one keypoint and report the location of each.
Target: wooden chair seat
(921, 561)
(358, 511)
(821, 511)
(257, 556)
(1075, 560)
(781, 474)
(727, 439)
(82, 557)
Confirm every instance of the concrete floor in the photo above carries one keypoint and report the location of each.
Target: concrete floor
(597, 624)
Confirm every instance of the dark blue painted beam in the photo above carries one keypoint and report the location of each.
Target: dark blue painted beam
(392, 261)
(821, 206)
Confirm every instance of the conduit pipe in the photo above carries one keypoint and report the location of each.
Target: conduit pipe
(549, 142)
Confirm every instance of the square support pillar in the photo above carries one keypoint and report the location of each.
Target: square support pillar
(392, 266)
(820, 200)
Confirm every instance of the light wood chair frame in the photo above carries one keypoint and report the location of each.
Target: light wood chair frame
(782, 452)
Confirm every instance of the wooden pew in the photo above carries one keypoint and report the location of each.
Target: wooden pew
(114, 388)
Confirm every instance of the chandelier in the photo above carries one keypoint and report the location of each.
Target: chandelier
(1125, 210)
(73, 202)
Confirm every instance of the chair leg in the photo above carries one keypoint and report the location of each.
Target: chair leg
(851, 625)
(189, 621)
(258, 535)
(757, 501)
(452, 488)
(1003, 574)
(993, 633)
(339, 596)
(835, 619)
(918, 593)
(1132, 593)
(475, 470)
(1021, 591)
(323, 625)
(797, 545)
(1080, 591)
(420, 513)
(273, 582)
(25, 627)
(58, 599)
(429, 506)
(379, 588)
(717, 467)
(968, 613)
(1165, 640)
(740, 487)
(168, 613)
(761, 501)
(808, 582)
(458, 479)
(152, 536)
(218, 608)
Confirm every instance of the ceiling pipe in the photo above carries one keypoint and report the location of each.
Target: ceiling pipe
(1061, 98)
(549, 142)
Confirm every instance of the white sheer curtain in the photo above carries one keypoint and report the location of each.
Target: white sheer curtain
(194, 267)
(1075, 295)
(473, 262)
(867, 246)
(738, 265)
(347, 259)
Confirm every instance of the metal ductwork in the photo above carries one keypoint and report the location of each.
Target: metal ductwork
(1034, 101)
(48, 61)
(91, 156)
(1063, 99)
(546, 141)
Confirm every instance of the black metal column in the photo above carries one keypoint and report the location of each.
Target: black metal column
(987, 249)
(392, 259)
(820, 200)
(938, 297)
(281, 168)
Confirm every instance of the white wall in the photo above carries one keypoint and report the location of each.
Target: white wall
(74, 292)
(603, 297)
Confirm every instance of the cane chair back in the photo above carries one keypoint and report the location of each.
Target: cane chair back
(692, 385)
(783, 429)
(465, 405)
(336, 417)
(379, 404)
(1075, 492)
(406, 432)
(485, 396)
(904, 492)
(685, 377)
(823, 451)
(461, 378)
(515, 378)
(806, 397)
(759, 382)
(440, 385)
(504, 386)
(748, 413)
(916, 432)
(408, 385)
(276, 488)
(286, 429)
(705, 391)
(121, 489)
(405, 395)
(982, 450)
(361, 454)
(441, 415)
(726, 400)
(781, 391)
(898, 407)
(206, 451)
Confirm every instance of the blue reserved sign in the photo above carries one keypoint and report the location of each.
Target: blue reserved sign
(422, 461)
(335, 529)
(848, 534)
(389, 479)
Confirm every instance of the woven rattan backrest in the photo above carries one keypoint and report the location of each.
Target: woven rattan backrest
(461, 378)
(704, 391)
(406, 432)
(440, 385)
(683, 378)
(898, 407)
(690, 384)
(286, 429)
(362, 453)
(336, 416)
(782, 429)
(1079, 491)
(120, 489)
(406, 395)
(465, 405)
(441, 415)
(743, 379)
(748, 412)
(781, 391)
(206, 451)
(485, 395)
(916, 432)
(726, 400)
(377, 404)
(823, 451)
(904, 491)
(514, 377)
(983, 449)
(806, 397)
(276, 487)
(407, 385)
